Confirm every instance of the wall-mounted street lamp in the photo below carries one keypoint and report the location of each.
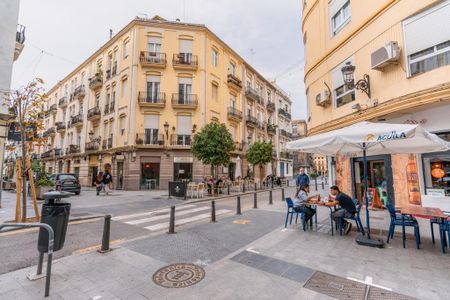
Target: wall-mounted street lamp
(166, 129)
(348, 71)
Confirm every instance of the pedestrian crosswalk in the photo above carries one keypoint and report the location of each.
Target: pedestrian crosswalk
(159, 219)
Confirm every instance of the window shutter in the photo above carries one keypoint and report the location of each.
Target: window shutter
(154, 40)
(186, 46)
(427, 29)
(153, 78)
(335, 6)
(185, 80)
(151, 122)
(184, 125)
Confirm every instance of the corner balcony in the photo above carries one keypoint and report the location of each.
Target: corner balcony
(284, 113)
(146, 140)
(234, 82)
(154, 100)
(94, 114)
(270, 106)
(252, 94)
(251, 121)
(184, 101)
(20, 40)
(60, 127)
(234, 114)
(180, 141)
(91, 146)
(96, 81)
(80, 92)
(62, 102)
(153, 59)
(185, 61)
(77, 121)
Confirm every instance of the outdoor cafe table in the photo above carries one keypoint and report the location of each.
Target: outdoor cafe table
(421, 212)
(329, 204)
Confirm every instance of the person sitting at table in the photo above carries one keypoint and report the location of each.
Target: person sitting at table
(300, 199)
(347, 210)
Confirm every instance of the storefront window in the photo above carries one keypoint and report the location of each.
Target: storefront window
(182, 171)
(149, 175)
(436, 168)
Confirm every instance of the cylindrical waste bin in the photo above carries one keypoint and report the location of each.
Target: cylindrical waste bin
(57, 216)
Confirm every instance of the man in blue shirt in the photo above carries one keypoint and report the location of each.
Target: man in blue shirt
(302, 178)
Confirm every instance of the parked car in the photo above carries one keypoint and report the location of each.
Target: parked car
(67, 181)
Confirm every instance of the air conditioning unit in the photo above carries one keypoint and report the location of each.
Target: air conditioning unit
(323, 98)
(389, 54)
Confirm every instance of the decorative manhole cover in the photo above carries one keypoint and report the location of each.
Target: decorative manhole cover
(241, 222)
(178, 275)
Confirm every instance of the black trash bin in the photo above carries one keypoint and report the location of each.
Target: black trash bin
(57, 216)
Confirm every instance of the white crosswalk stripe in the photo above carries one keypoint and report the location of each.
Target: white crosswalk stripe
(159, 219)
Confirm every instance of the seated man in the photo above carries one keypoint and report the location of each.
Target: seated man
(347, 210)
(301, 197)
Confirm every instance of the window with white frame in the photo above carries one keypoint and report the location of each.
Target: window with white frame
(341, 93)
(122, 125)
(124, 87)
(232, 69)
(427, 45)
(125, 48)
(340, 15)
(215, 57)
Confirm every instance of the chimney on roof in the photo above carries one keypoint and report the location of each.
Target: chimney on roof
(110, 34)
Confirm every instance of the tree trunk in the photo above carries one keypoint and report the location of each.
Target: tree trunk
(24, 168)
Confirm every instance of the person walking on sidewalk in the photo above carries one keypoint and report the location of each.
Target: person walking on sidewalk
(302, 178)
(300, 199)
(99, 182)
(107, 180)
(347, 210)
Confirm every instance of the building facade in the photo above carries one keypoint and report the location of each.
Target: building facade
(135, 104)
(301, 159)
(401, 52)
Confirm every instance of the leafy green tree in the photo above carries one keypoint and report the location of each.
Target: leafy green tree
(260, 153)
(213, 145)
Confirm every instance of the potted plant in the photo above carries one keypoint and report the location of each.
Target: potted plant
(43, 185)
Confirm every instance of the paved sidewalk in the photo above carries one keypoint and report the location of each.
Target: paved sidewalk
(250, 256)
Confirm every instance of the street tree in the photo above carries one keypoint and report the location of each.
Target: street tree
(213, 145)
(259, 154)
(25, 105)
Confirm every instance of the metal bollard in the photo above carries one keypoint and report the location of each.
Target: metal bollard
(323, 185)
(282, 194)
(256, 185)
(255, 200)
(270, 197)
(238, 205)
(172, 220)
(106, 233)
(228, 189)
(213, 211)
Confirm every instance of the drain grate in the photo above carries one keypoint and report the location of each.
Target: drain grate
(377, 293)
(336, 287)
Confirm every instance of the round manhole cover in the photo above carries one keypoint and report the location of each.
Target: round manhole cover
(178, 275)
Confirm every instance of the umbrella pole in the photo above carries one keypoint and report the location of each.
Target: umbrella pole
(365, 189)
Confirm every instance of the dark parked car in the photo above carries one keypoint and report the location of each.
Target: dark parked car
(67, 181)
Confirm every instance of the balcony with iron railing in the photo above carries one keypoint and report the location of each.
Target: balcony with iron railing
(149, 99)
(80, 92)
(110, 143)
(104, 144)
(149, 140)
(180, 140)
(252, 94)
(284, 113)
(286, 155)
(59, 152)
(234, 114)
(262, 125)
(20, 40)
(94, 114)
(185, 61)
(49, 132)
(91, 146)
(96, 81)
(234, 82)
(73, 149)
(47, 154)
(270, 106)
(107, 109)
(285, 134)
(251, 121)
(186, 101)
(62, 102)
(60, 127)
(77, 120)
(271, 129)
(153, 59)
(53, 109)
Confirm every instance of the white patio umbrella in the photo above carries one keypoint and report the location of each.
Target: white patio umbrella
(368, 138)
(238, 168)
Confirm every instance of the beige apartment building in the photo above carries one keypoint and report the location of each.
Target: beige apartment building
(398, 54)
(134, 105)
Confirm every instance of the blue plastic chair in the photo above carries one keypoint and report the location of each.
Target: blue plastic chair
(436, 221)
(397, 220)
(355, 218)
(444, 228)
(291, 212)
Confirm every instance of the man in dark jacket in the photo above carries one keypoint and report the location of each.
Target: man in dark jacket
(347, 210)
(302, 178)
